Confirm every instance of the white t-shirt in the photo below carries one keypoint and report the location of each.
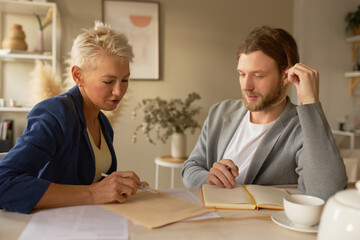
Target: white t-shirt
(244, 144)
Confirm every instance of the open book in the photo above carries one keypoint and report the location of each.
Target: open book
(243, 197)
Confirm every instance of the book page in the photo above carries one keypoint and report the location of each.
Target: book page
(221, 197)
(185, 194)
(156, 210)
(266, 196)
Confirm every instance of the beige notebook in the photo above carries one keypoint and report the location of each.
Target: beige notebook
(156, 210)
(243, 197)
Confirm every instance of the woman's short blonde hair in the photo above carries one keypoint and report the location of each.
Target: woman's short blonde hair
(101, 39)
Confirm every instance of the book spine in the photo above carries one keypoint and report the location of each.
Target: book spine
(250, 197)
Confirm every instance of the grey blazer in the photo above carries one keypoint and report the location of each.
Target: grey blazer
(298, 149)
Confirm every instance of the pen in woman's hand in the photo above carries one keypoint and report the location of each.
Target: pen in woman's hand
(104, 174)
(148, 189)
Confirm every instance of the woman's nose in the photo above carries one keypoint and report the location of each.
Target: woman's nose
(117, 89)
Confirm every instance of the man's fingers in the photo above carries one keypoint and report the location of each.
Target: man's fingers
(306, 81)
(229, 169)
(213, 180)
(230, 165)
(228, 183)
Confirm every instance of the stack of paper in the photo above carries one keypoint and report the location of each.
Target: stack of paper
(79, 222)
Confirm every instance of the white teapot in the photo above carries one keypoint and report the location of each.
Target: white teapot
(341, 216)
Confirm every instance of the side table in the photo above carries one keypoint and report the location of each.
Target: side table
(170, 162)
(352, 136)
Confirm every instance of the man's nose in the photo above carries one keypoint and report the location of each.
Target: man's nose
(247, 83)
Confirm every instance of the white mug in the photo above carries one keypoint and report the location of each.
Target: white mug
(303, 210)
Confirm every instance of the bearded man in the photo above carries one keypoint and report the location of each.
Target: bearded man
(264, 138)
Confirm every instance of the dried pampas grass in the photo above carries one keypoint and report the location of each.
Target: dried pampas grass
(43, 83)
(68, 80)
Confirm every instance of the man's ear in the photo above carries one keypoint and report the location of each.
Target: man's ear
(77, 75)
(284, 77)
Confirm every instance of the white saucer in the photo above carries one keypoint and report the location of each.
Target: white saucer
(280, 219)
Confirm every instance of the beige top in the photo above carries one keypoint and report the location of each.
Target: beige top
(102, 156)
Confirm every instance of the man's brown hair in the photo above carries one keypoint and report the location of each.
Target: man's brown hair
(277, 43)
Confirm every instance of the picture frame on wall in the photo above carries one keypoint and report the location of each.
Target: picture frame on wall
(139, 21)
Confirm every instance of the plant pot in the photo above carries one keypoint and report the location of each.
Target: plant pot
(178, 145)
(356, 30)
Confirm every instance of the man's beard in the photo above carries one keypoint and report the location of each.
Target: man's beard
(274, 97)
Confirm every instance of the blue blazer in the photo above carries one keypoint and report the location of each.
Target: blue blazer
(54, 147)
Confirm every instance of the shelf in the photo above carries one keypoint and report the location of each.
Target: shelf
(353, 38)
(15, 109)
(345, 133)
(15, 56)
(25, 7)
(354, 80)
(352, 74)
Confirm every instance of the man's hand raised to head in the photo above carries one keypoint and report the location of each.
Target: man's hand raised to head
(306, 81)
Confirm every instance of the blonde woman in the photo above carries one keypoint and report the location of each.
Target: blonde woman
(68, 142)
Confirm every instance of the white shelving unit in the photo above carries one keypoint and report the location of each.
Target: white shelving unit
(31, 8)
(15, 67)
(28, 8)
(354, 76)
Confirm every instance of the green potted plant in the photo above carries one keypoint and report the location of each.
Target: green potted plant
(168, 118)
(353, 21)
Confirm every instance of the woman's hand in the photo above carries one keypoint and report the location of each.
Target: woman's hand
(223, 173)
(306, 81)
(116, 187)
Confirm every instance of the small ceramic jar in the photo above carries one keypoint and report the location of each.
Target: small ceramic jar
(15, 38)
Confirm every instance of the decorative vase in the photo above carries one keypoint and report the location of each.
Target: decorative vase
(41, 42)
(15, 38)
(178, 145)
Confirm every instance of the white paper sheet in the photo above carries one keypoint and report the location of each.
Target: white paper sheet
(78, 222)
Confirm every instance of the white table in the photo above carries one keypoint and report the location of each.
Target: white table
(234, 224)
(169, 162)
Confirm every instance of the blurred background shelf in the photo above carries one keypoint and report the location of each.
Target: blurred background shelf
(16, 66)
(15, 109)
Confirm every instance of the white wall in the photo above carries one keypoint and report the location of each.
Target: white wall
(199, 40)
(322, 42)
(198, 43)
